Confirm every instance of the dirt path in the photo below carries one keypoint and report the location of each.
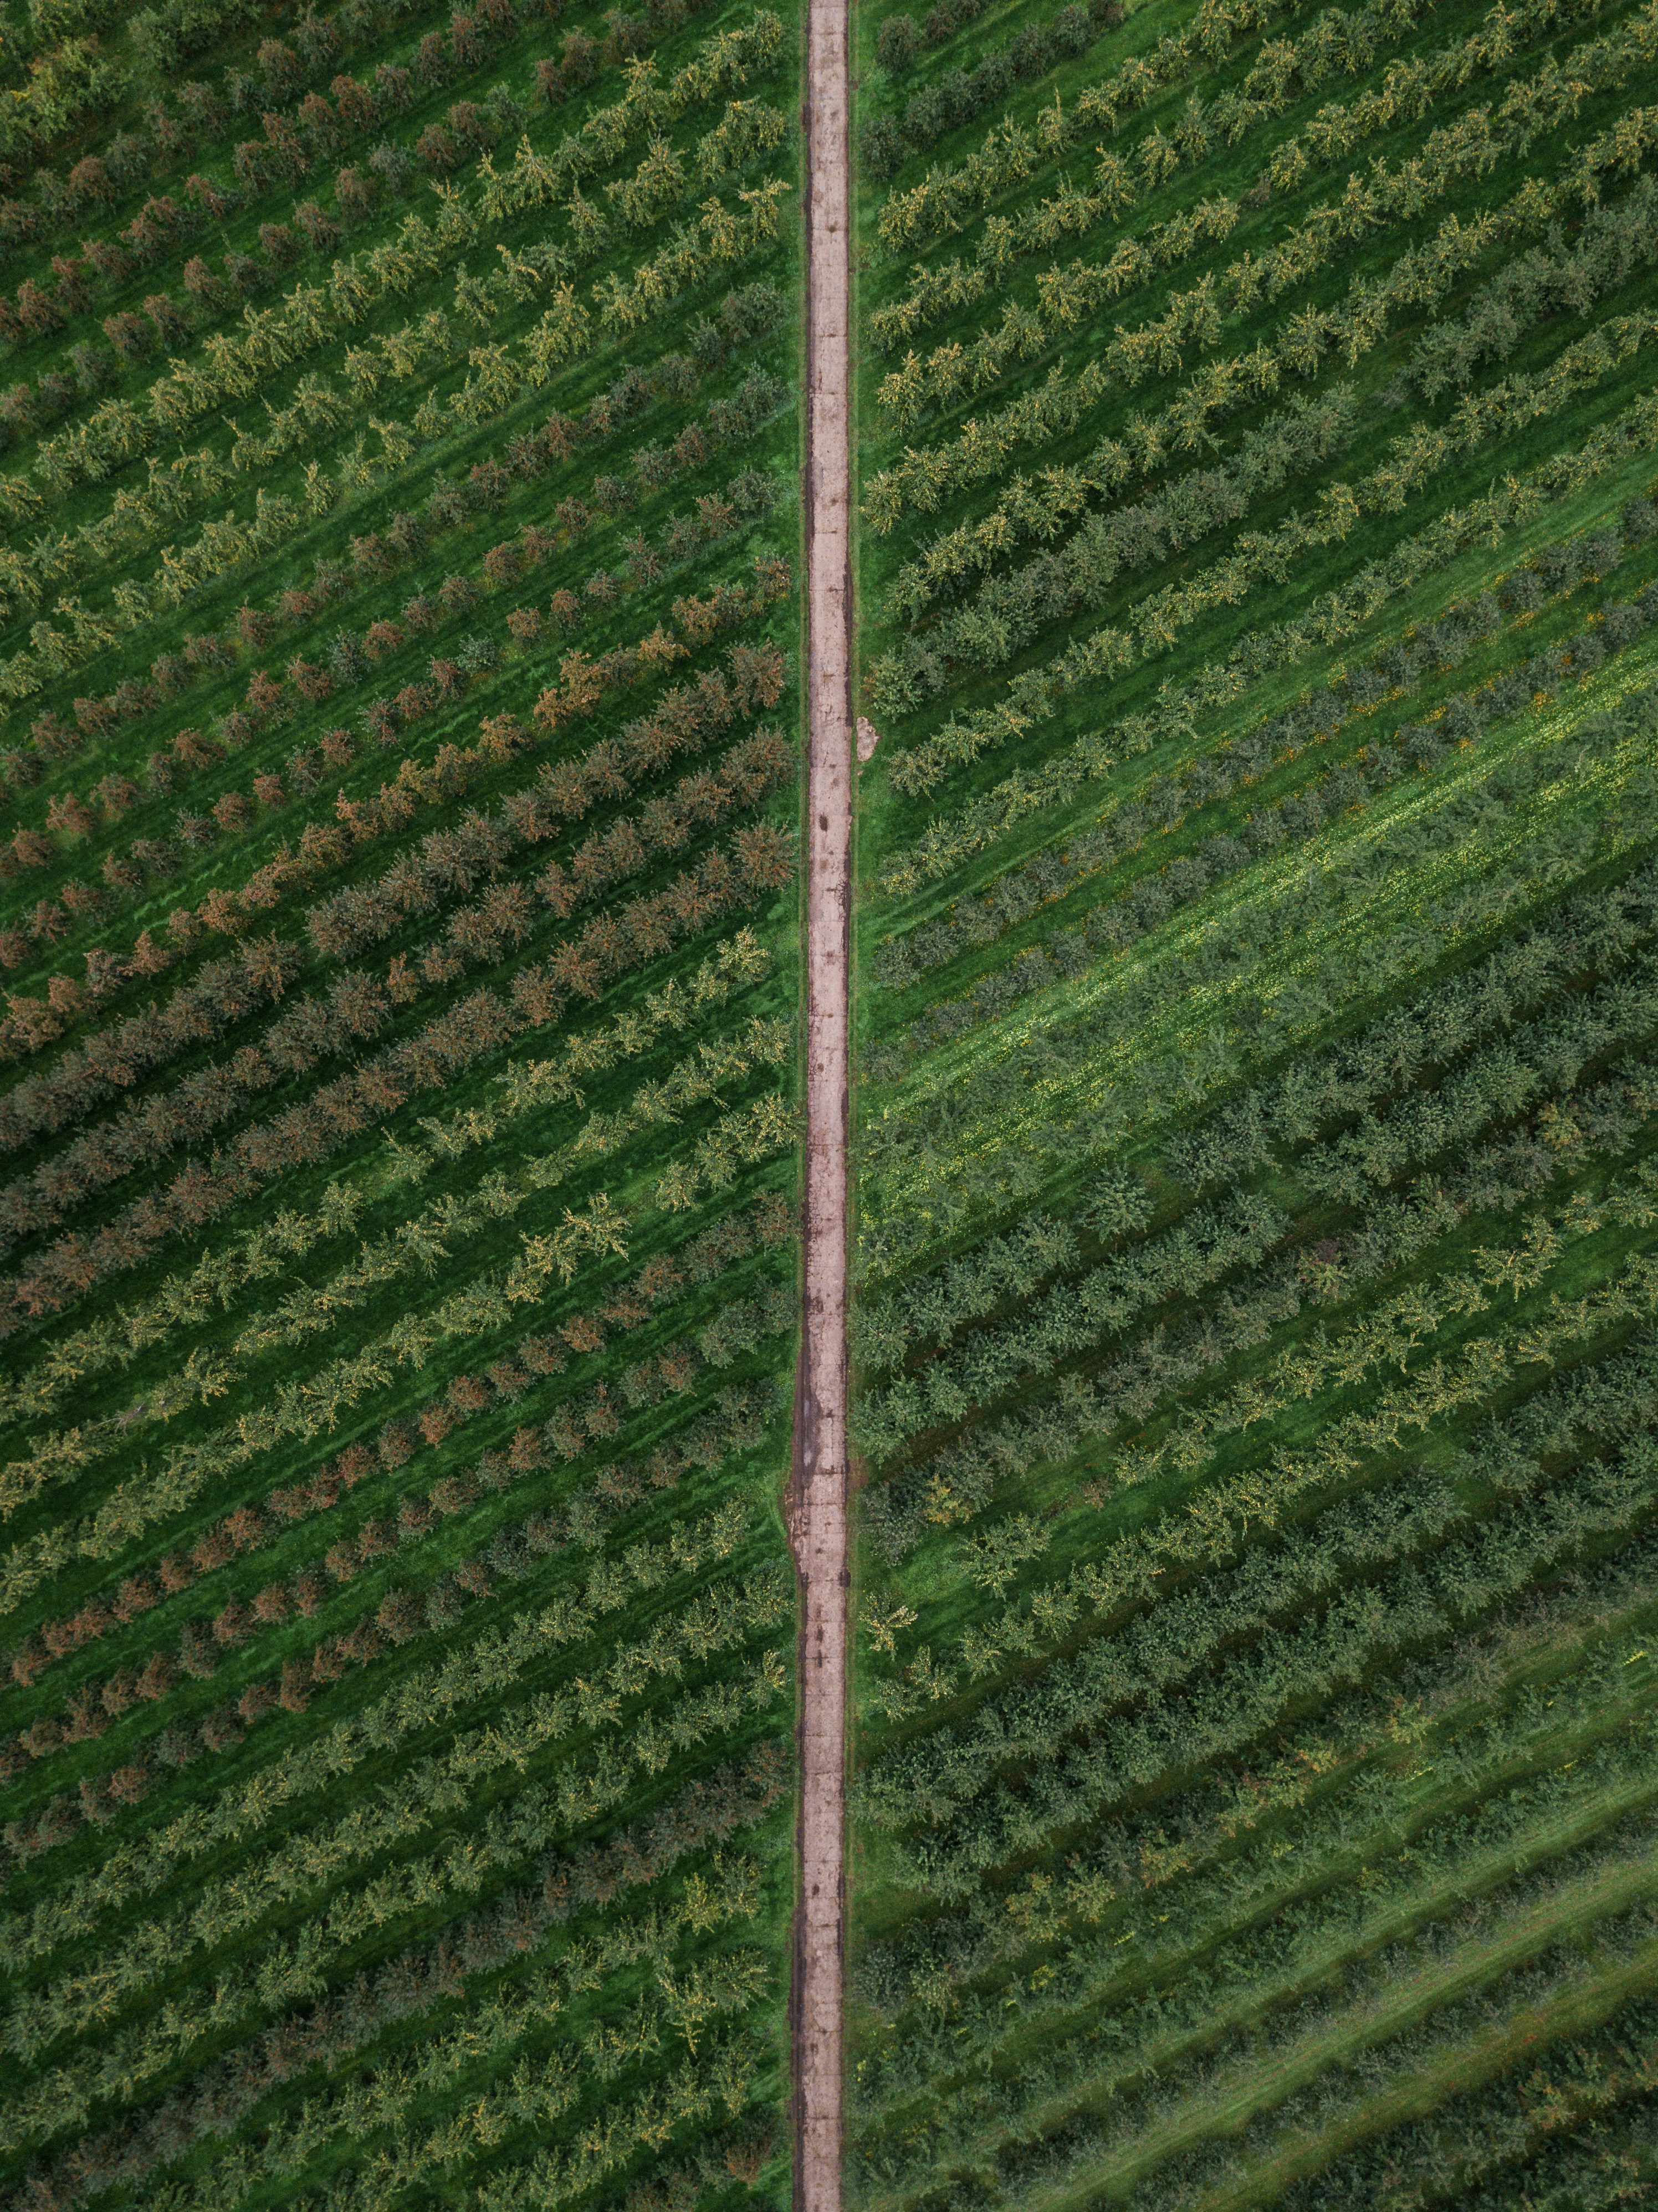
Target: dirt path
(818, 1502)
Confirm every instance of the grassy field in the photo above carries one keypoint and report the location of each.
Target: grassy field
(1257, 1199)
(399, 645)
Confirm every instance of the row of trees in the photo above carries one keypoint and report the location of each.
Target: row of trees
(1367, 1825)
(1339, 615)
(181, 121)
(706, 1812)
(717, 2086)
(419, 1980)
(219, 1278)
(231, 368)
(1172, 1091)
(1334, 1495)
(1125, 1396)
(1165, 800)
(1295, 441)
(519, 1370)
(75, 81)
(746, 1136)
(451, 863)
(1415, 1600)
(1038, 693)
(1003, 1270)
(565, 333)
(1157, 348)
(324, 847)
(745, 316)
(1339, 43)
(452, 1041)
(279, 1873)
(368, 1785)
(999, 1140)
(353, 658)
(1203, 1249)
(508, 1838)
(315, 129)
(1436, 1030)
(1304, 813)
(1409, 90)
(412, 1248)
(406, 1610)
(1083, 2114)
(1534, 286)
(1533, 982)
(270, 702)
(1207, 499)
(1230, 1850)
(1006, 612)
(1130, 1857)
(1060, 1676)
(956, 95)
(1521, 980)
(33, 410)
(591, 1419)
(1533, 1073)
(498, 375)
(1421, 276)
(927, 476)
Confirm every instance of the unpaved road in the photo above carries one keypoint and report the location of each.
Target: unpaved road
(818, 1495)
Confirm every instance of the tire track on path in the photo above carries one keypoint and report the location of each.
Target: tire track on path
(817, 1505)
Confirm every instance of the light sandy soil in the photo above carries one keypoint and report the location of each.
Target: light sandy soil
(868, 737)
(819, 1495)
